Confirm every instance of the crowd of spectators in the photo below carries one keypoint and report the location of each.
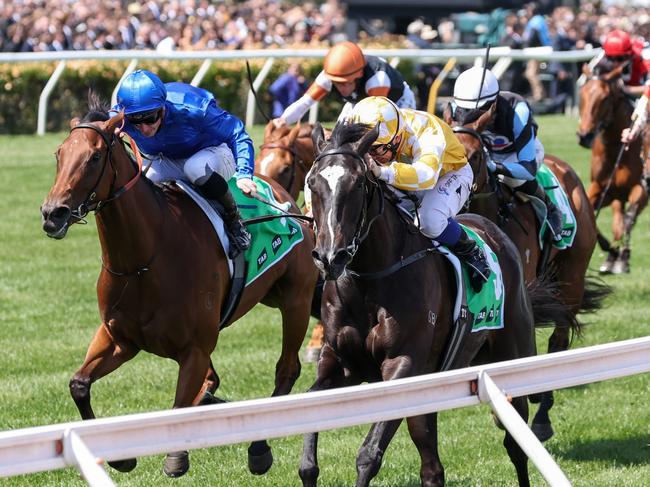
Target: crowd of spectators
(57, 25)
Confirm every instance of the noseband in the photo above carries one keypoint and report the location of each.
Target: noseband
(90, 204)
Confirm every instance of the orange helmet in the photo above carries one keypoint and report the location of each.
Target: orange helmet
(344, 62)
(617, 43)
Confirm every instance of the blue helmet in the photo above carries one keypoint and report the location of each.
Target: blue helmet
(141, 91)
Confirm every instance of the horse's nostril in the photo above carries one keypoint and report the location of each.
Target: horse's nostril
(341, 258)
(60, 213)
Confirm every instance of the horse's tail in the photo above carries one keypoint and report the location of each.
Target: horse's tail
(596, 291)
(548, 307)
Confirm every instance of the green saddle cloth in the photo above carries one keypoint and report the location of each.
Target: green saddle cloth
(272, 239)
(486, 306)
(547, 180)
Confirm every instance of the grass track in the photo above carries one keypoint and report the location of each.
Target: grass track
(48, 314)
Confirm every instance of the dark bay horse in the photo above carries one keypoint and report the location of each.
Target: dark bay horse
(615, 173)
(385, 319)
(164, 276)
(516, 217)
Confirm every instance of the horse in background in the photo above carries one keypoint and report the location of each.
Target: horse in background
(616, 173)
(286, 156)
(515, 215)
(388, 301)
(164, 279)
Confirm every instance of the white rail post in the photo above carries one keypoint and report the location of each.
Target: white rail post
(129, 69)
(250, 103)
(45, 95)
(77, 453)
(198, 77)
(509, 417)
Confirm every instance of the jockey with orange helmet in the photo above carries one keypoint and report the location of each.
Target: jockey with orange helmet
(418, 153)
(353, 76)
(189, 138)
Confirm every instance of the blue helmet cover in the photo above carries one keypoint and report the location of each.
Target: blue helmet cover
(141, 91)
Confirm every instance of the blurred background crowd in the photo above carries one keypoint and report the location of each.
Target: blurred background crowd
(54, 25)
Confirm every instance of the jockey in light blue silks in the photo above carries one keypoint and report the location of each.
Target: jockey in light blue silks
(510, 136)
(190, 138)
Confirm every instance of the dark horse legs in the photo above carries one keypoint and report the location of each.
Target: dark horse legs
(102, 358)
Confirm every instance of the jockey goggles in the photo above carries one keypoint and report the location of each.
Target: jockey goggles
(469, 115)
(146, 118)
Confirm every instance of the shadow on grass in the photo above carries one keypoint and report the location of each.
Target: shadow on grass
(628, 451)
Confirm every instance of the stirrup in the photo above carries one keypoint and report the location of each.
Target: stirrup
(240, 240)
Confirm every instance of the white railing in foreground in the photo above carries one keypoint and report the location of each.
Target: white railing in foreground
(51, 447)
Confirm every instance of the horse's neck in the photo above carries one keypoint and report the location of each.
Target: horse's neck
(130, 225)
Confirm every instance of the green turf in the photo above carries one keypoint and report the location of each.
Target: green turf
(48, 314)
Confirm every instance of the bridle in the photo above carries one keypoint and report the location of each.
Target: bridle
(486, 153)
(368, 195)
(295, 159)
(90, 203)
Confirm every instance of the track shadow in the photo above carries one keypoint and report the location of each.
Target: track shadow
(628, 451)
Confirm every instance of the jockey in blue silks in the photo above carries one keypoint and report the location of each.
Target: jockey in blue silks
(190, 138)
(510, 136)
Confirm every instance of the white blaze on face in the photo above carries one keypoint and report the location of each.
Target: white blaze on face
(332, 174)
(264, 163)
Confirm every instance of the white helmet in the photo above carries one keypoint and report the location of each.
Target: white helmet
(468, 89)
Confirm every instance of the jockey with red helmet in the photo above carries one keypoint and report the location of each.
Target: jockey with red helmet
(620, 49)
(352, 76)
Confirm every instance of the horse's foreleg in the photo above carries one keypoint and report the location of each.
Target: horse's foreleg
(329, 375)
(424, 433)
(102, 358)
(617, 220)
(192, 366)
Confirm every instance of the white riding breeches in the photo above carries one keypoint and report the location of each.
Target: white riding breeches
(444, 201)
(197, 168)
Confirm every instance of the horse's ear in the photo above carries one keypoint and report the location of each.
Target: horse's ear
(368, 139)
(485, 119)
(268, 130)
(446, 115)
(318, 137)
(74, 122)
(293, 135)
(114, 122)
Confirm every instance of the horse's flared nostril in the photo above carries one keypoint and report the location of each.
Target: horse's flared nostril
(55, 218)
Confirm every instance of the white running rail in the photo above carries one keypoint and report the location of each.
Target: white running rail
(85, 443)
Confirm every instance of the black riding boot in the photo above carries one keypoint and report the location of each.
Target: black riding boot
(469, 252)
(216, 188)
(553, 214)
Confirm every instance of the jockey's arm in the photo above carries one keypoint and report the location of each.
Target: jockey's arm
(524, 145)
(378, 84)
(423, 173)
(634, 90)
(316, 92)
(639, 117)
(224, 127)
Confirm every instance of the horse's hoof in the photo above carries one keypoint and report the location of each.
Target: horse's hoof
(312, 354)
(543, 431)
(176, 464)
(606, 268)
(621, 267)
(124, 465)
(209, 398)
(259, 462)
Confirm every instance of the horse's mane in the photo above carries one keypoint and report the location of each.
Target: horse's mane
(97, 108)
(345, 133)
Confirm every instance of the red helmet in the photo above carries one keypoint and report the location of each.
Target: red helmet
(617, 43)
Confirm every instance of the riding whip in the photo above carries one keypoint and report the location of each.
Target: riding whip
(485, 65)
(257, 100)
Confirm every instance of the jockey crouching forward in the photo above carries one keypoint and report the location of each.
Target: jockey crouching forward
(417, 152)
(510, 136)
(191, 139)
(352, 76)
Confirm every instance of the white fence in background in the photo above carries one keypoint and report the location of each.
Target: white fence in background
(134, 56)
(81, 444)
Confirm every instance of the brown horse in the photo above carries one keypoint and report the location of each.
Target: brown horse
(389, 297)
(164, 277)
(615, 172)
(516, 217)
(286, 156)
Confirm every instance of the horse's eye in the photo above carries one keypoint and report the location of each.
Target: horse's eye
(96, 157)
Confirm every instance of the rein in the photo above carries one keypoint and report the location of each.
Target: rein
(89, 204)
